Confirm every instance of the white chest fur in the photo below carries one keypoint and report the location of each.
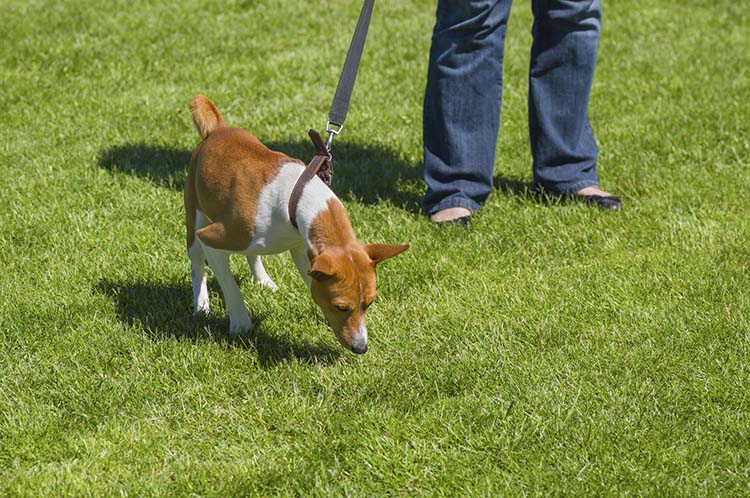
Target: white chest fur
(273, 232)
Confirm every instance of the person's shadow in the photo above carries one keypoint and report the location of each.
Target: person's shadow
(362, 173)
(164, 311)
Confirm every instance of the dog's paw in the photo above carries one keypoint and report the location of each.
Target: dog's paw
(202, 308)
(268, 284)
(240, 325)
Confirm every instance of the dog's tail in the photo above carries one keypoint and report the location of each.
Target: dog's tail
(206, 116)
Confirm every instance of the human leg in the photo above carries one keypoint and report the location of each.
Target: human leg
(563, 56)
(462, 102)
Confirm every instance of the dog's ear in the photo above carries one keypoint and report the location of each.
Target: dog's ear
(322, 267)
(379, 252)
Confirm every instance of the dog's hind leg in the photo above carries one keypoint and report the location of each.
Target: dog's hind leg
(198, 269)
(259, 273)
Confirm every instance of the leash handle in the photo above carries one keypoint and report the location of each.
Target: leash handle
(340, 104)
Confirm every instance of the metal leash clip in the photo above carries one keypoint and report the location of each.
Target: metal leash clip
(332, 132)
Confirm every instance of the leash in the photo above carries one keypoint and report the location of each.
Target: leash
(322, 163)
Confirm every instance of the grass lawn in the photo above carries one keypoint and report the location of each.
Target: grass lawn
(551, 349)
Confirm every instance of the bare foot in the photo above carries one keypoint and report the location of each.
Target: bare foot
(449, 214)
(593, 191)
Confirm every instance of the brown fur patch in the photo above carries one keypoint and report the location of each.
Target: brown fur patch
(227, 172)
(331, 228)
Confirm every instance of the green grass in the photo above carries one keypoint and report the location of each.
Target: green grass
(549, 350)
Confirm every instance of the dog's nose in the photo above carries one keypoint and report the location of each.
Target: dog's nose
(359, 348)
(359, 343)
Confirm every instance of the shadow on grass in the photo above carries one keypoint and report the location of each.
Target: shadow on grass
(165, 312)
(513, 187)
(164, 166)
(367, 174)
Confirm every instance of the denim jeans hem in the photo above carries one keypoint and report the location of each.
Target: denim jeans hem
(452, 202)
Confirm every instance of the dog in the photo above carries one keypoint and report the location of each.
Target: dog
(236, 201)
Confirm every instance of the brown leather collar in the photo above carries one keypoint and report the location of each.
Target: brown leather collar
(321, 165)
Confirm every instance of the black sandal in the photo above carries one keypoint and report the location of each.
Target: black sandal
(608, 202)
(463, 221)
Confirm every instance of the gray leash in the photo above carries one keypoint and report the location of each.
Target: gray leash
(340, 104)
(322, 163)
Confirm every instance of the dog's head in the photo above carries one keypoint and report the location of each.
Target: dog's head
(343, 285)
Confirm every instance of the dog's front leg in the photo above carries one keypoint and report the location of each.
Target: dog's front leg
(198, 277)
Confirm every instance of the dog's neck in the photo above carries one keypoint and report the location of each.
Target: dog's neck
(322, 220)
(330, 228)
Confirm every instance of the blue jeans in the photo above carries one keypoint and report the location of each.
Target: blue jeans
(464, 91)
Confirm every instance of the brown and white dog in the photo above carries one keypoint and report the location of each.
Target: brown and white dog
(236, 201)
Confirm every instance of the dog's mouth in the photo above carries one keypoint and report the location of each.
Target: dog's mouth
(354, 347)
(357, 346)
(359, 342)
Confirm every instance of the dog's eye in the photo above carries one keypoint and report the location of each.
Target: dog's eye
(343, 309)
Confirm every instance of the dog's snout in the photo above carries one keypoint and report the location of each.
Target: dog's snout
(359, 348)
